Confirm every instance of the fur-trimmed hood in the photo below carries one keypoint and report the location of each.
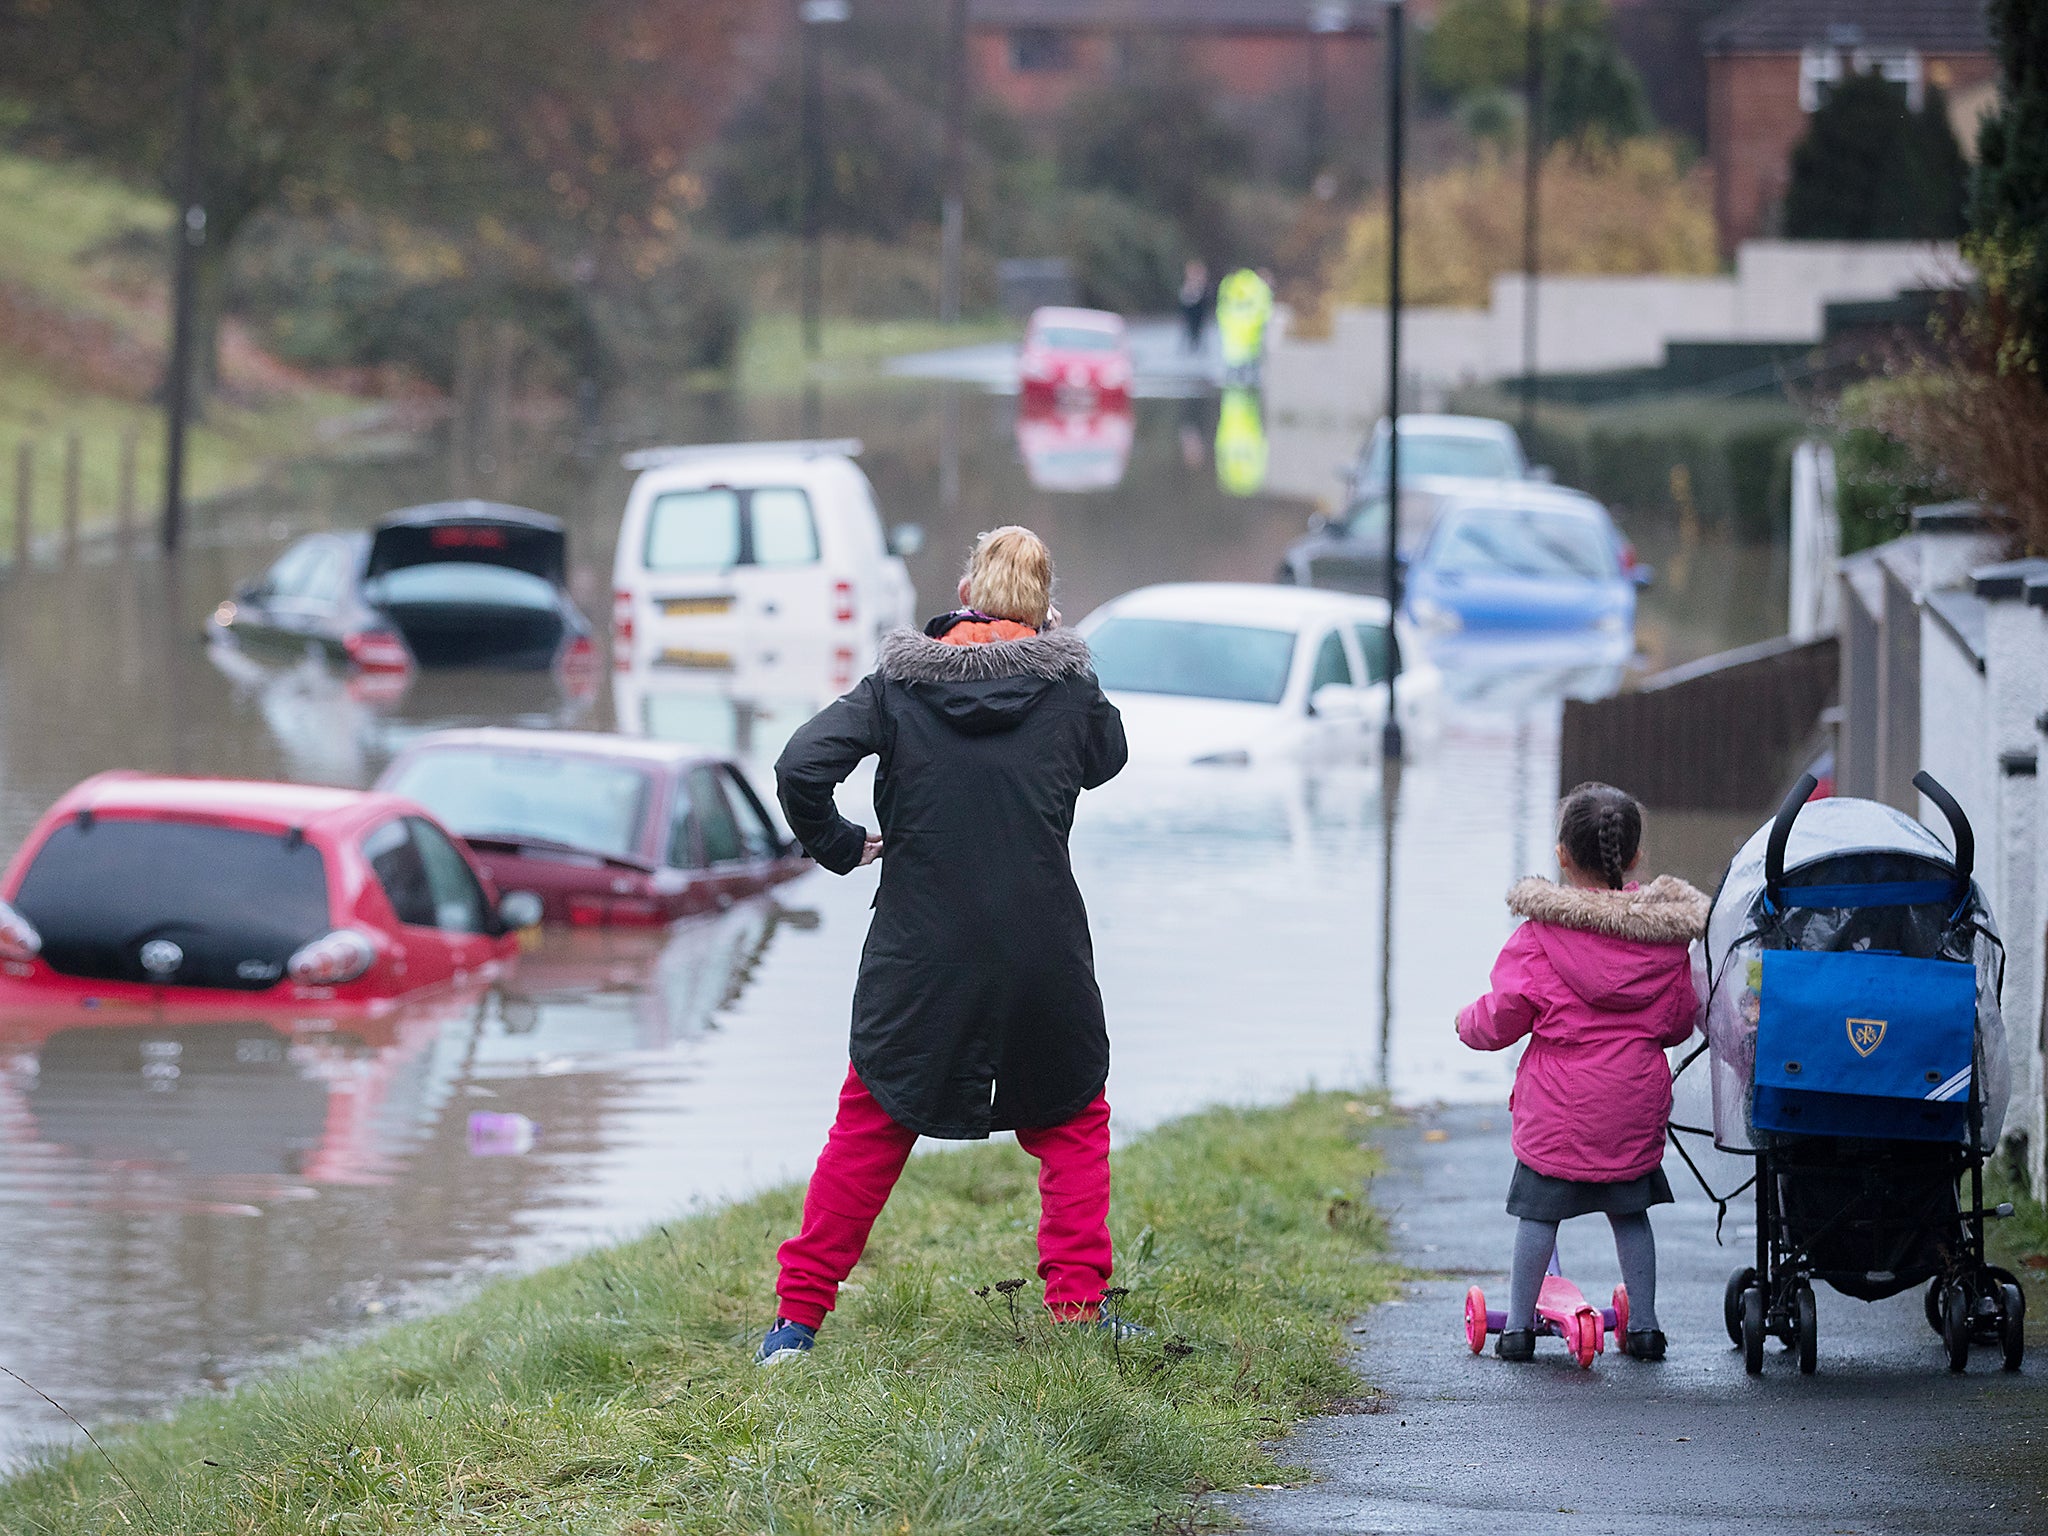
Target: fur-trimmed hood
(1666, 911)
(909, 657)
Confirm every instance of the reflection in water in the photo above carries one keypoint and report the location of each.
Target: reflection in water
(1241, 443)
(1075, 449)
(186, 1197)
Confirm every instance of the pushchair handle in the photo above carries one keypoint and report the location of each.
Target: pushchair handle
(1958, 824)
(1781, 833)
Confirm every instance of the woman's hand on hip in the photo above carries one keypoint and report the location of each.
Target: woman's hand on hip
(871, 849)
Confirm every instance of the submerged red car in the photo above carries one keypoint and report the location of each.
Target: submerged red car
(1078, 355)
(606, 830)
(142, 889)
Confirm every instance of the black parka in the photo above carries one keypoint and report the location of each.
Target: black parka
(977, 1008)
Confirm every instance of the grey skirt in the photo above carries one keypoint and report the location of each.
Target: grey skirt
(1538, 1197)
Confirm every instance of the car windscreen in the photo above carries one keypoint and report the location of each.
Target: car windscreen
(717, 528)
(228, 905)
(457, 584)
(1476, 458)
(1524, 542)
(583, 802)
(1193, 659)
(1078, 338)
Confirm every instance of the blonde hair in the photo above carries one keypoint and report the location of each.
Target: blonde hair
(1009, 576)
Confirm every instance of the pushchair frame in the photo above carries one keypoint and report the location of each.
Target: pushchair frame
(1870, 1217)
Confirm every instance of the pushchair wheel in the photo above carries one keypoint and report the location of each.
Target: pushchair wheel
(2012, 1323)
(1955, 1324)
(1731, 1302)
(1806, 1323)
(1933, 1299)
(1753, 1330)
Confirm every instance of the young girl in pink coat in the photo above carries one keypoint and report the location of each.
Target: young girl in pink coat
(1599, 981)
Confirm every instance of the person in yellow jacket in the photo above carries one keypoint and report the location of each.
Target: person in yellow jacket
(1244, 303)
(1241, 454)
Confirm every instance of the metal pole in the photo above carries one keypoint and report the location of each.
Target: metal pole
(190, 235)
(1391, 736)
(24, 502)
(953, 224)
(813, 175)
(1532, 181)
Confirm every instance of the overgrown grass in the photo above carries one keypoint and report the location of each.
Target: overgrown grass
(616, 1393)
(2020, 1243)
(772, 360)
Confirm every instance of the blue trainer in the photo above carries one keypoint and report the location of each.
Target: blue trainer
(785, 1341)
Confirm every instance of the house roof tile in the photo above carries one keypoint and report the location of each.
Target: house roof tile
(1180, 15)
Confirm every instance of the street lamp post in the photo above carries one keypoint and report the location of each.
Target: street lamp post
(1391, 737)
(812, 14)
(953, 215)
(189, 234)
(1532, 182)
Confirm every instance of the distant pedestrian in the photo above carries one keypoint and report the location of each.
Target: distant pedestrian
(977, 1008)
(1600, 981)
(1194, 301)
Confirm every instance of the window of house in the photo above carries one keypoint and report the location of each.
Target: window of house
(1820, 71)
(1040, 48)
(1901, 66)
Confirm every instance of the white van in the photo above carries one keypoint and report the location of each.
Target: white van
(738, 555)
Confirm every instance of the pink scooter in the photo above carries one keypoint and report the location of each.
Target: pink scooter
(1562, 1311)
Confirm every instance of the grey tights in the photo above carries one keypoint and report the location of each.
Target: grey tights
(1634, 1245)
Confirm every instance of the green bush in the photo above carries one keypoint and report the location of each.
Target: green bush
(1125, 257)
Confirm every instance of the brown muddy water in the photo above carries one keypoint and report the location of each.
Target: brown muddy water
(181, 1205)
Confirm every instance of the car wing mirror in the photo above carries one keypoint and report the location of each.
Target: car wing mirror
(906, 540)
(1338, 701)
(1544, 473)
(519, 909)
(1318, 521)
(1642, 575)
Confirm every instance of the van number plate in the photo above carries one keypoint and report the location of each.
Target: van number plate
(684, 607)
(702, 661)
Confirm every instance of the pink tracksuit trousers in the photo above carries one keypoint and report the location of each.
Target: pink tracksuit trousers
(862, 1160)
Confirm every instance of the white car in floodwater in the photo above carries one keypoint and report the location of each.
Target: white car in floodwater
(1231, 674)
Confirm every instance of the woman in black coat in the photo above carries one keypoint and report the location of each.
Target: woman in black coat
(976, 1008)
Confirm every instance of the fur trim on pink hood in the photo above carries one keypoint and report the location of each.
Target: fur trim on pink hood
(1601, 984)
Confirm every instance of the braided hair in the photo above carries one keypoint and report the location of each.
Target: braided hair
(1601, 828)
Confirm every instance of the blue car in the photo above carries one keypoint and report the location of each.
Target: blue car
(1521, 564)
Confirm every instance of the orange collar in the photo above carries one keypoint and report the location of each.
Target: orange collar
(979, 632)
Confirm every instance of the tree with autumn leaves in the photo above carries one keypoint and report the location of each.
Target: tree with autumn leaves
(543, 143)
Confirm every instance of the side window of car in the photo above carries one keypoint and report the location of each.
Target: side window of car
(720, 832)
(1332, 665)
(682, 831)
(289, 577)
(395, 859)
(1373, 643)
(458, 901)
(756, 836)
(327, 576)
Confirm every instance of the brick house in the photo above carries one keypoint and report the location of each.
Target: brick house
(1771, 62)
(1308, 68)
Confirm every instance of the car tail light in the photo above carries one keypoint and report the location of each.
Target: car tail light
(377, 650)
(842, 668)
(19, 940)
(622, 619)
(842, 601)
(1629, 560)
(340, 956)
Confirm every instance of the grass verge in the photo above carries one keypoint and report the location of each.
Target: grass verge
(616, 1393)
(850, 352)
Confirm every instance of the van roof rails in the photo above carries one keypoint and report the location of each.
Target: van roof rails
(813, 448)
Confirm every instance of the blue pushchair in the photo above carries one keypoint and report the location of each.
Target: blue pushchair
(1857, 1053)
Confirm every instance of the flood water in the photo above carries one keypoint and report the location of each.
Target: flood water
(181, 1204)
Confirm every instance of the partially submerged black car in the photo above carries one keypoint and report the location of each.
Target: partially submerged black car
(453, 584)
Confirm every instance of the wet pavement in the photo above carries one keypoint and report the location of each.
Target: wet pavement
(181, 1201)
(1882, 1441)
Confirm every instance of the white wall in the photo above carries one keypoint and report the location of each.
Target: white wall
(1782, 286)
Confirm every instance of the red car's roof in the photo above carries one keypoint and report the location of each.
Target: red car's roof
(249, 802)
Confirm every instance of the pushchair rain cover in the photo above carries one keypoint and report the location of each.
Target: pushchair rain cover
(1839, 845)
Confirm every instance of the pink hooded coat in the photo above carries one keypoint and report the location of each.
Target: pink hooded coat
(1601, 984)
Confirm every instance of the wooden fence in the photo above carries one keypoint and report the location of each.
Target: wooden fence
(29, 458)
(1729, 733)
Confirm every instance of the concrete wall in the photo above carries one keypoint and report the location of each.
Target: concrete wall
(1590, 324)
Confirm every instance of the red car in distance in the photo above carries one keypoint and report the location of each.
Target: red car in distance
(1074, 355)
(606, 830)
(219, 892)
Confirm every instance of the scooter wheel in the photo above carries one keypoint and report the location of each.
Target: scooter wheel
(1475, 1319)
(1731, 1302)
(1753, 1330)
(1806, 1320)
(1621, 1318)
